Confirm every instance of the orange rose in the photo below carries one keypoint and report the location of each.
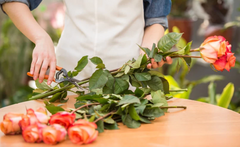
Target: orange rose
(54, 134)
(33, 117)
(83, 132)
(33, 133)
(212, 48)
(63, 118)
(231, 59)
(10, 123)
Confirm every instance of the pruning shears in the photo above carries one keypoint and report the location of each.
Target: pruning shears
(64, 77)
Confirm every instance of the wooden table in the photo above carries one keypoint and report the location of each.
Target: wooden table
(200, 125)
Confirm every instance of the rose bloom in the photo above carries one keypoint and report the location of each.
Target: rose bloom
(33, 133)
(33, 117)
(83, 132)
(213, 48)
(54, 134)
(63, 118)
(10, 123)
(225, 62)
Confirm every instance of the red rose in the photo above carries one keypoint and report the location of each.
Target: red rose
(63, 118)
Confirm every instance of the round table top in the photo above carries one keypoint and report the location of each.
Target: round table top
(200, 125)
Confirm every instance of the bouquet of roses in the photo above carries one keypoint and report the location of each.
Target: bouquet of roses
(109, 99)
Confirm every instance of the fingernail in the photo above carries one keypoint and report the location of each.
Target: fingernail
(31, 72)
(35, 77)
(40, 81)
(49, 82)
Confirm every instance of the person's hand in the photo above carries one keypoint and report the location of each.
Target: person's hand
(154, 64)
(43, 57)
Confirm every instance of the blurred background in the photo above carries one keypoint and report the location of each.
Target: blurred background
(197, 19)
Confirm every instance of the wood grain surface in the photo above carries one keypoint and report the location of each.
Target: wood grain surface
(200, 125)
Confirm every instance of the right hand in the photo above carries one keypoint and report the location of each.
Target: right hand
(43, 57)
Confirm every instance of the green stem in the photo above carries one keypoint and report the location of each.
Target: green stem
(84, 106)
(163, 107)
(185, 56)
(100, 118)
(178, 90)
(43, 95)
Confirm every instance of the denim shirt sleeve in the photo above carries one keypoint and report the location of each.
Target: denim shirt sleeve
(32, 4)
(156, 11)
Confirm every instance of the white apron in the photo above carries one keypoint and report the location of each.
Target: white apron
(109, 29)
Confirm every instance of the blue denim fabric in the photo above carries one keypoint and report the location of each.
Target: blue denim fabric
(155, 11)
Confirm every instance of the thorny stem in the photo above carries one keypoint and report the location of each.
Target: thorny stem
(196, 49)
(84, 106)
(184, 107)
(100, 118)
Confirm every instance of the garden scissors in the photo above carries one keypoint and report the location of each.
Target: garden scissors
(64, 77)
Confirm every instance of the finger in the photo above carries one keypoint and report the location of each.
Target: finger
(149, 66)
(52, 71)
(34, 60)
(160, 64)
(154, 64)
(169, 60)
(37, 68)
(43, 70)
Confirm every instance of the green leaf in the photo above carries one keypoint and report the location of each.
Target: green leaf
(168, 41)
(158, 97)
(155, 83)
(109, 120)
(146, 50)
(138, 92)
(111, 126)
(101, 66)
(187, 48)
(156, 73)
(92, 118)
(133, 112)
(55, 97)
(100, 126)
(226, 96)
(54, 109)
(144, 120)
(144, 60)
(153, 51)
(212, 93)
(137, 63)
(97, 98)
(42, 86)
(165, 85)
(131, 123)
(82, 63)
(96, 60)
(153, 112)
(144, 76)
(127, 69)
(188, 61)
(157, 105)
(158, 58)
(129, 99)
(98, 79)
(120, 85)
(134, 82)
